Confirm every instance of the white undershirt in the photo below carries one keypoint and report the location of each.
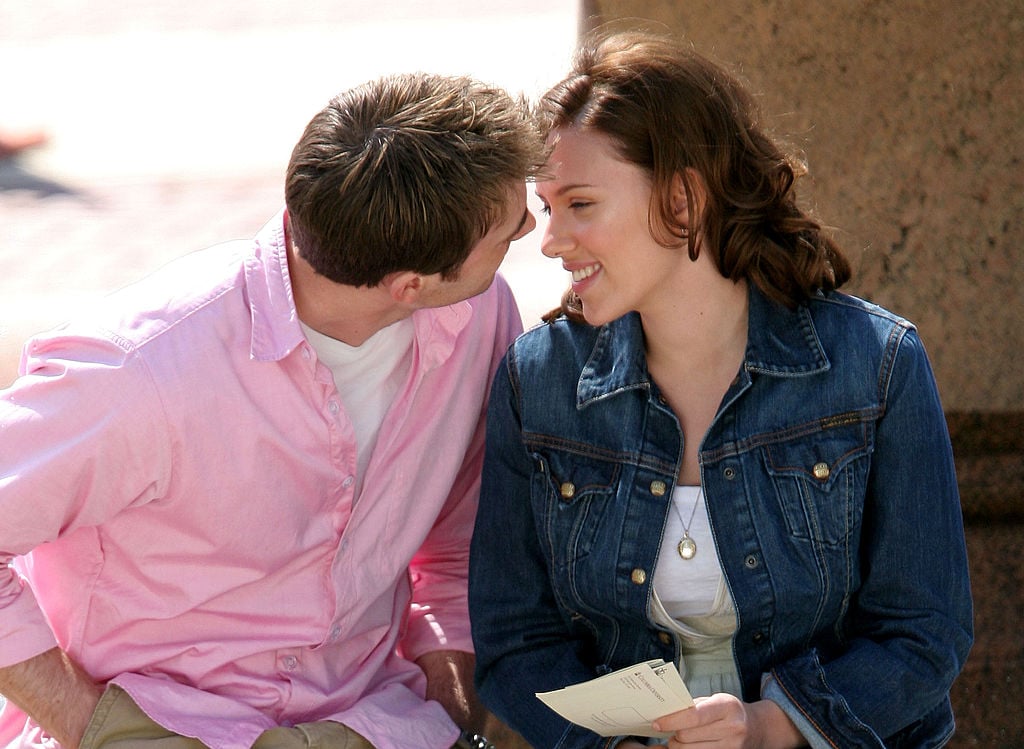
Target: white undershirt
(368, 378)
(688, 587)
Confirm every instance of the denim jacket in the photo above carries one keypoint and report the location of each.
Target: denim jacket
(833, 504)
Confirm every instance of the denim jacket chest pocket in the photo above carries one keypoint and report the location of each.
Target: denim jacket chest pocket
(571, 494)
(819, 479)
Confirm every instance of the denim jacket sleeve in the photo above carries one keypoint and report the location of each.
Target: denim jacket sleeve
(910, 621)
(522, 643)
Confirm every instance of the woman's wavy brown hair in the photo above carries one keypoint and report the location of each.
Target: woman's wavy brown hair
(671, 111)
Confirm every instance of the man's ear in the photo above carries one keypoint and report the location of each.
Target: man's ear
(405, 287)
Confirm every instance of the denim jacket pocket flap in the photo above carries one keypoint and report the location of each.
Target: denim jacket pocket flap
(818, 458)
(573, 478)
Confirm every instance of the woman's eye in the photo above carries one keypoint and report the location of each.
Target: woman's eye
(579, 204)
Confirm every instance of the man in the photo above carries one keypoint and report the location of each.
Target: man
(237, 497)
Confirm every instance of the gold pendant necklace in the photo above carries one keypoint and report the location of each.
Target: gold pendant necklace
(687, 547)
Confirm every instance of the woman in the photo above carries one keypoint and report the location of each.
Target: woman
(712, 456)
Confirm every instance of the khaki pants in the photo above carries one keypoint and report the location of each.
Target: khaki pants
(118, 723)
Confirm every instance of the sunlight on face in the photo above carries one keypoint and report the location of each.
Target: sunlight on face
(598, 206)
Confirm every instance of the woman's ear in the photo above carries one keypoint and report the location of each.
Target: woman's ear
(684, 213)
(680, 204)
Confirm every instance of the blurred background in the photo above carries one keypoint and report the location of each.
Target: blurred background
(169, 124)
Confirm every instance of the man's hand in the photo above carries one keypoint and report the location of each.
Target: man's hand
(55, 692)
(450, 682)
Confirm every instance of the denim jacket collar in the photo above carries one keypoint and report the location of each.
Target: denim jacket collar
(780, 342)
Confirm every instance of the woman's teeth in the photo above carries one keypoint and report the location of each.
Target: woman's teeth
(587, 272)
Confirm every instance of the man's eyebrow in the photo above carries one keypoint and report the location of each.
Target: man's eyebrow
(522, 223)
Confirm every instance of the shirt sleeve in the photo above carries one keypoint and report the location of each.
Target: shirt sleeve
(439, 615)
(79, 437)
(770, 690)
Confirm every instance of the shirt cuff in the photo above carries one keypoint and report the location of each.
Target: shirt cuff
(23, 628)
(770, 690)
(425, 634)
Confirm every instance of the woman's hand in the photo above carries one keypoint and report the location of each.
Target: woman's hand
(725, 722)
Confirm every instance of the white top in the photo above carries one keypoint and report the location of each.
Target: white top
(688, 587)
(368, 378)
(692, 601)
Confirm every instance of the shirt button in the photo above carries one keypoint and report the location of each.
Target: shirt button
(758, 638)
(750, 562)
(567, 490)
(658, 488)
(729, 473)
(349, 480)
(290, 662)
(305, 354)
(335, 632)
(638, 576)
(333, 407)
(821, 471)
(665, 637)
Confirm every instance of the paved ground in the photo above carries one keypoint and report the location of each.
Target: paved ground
(171, 121)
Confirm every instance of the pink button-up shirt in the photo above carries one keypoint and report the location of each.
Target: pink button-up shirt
(178, 469)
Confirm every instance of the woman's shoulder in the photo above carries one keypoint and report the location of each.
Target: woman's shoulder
(559, 348)
(557, 337)
(846, 314)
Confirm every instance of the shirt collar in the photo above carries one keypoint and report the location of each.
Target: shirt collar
(275, 322)
(780, 342)
(437, 329)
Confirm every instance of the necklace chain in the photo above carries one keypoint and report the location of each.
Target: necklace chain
(687, 547)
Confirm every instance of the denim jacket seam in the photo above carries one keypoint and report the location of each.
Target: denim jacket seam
(810, 718)
(735, 448)
(588, 450)
(896, 335)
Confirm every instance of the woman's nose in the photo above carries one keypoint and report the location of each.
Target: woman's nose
(554, 243)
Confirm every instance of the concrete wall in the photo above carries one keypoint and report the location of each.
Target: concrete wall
(911, 115)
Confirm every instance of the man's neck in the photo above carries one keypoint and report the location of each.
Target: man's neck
(350, 314)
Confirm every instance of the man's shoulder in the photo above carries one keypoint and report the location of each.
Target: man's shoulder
(170, 295)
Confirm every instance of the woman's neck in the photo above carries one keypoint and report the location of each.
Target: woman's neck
(705, 324)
